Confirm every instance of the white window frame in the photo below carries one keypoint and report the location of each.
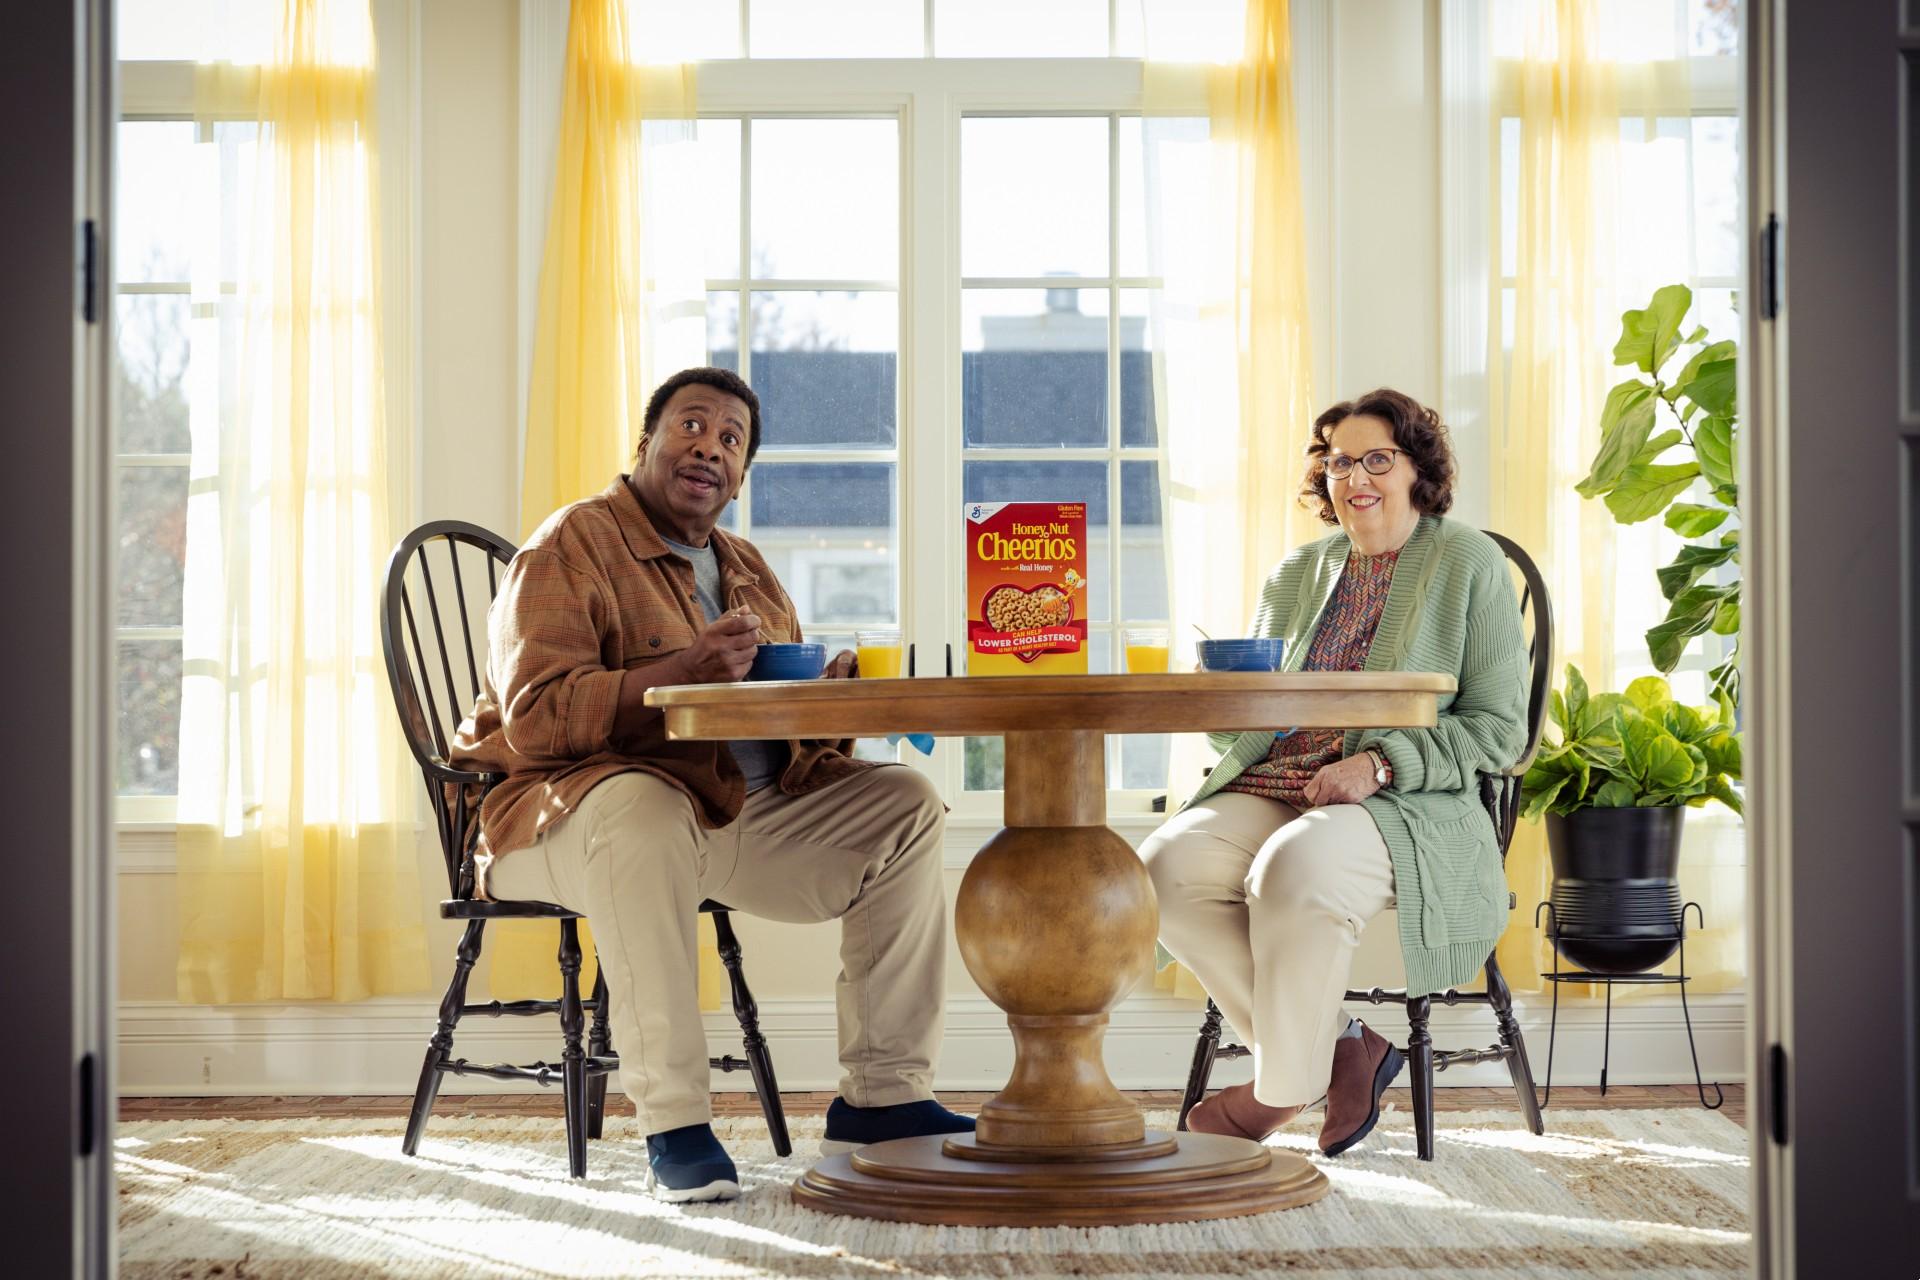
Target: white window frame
(929, 97)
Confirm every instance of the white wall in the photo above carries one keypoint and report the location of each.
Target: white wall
(1370, 102)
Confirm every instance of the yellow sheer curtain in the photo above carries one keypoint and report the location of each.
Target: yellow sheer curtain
(621, 306)
(298, 872)
(1546, 412)
(1231, 339)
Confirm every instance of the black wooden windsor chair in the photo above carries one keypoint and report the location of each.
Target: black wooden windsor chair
(437, 600)
(1500, 793)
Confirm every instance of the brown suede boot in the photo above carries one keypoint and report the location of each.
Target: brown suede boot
(1235, 1113)
(1363, 1067)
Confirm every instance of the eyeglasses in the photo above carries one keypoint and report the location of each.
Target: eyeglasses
(1377, 462)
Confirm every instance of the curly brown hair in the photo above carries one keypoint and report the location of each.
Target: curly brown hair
(1416, 429)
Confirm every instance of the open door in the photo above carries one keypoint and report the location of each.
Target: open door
(56, 95)
(1832, 497)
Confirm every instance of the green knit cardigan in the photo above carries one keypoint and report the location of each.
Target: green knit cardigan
(1450, 609)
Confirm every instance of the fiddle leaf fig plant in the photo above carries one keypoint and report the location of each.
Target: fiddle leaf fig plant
(1640, 476)
(1634, 749)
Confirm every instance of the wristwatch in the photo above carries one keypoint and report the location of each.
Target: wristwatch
(1382, 771)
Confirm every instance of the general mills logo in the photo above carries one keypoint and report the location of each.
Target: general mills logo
(975, 513)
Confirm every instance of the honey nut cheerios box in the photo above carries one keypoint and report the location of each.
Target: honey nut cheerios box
(1026, 588)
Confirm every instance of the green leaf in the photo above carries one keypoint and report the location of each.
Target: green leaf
(1691, 613)
(1731, 538)
(1726, 679)
(1644, 491)
(1714, 351)
(1722, 791)
(1713, 446)
(1699, 332)
(1723, 701)
(1691, 520)
(1727, 493)
(1658, 445)
(1557, 709)
(1712, 387)
(1648, 337)
(1596, 719)
(1576, 695)
(1661, 761)
(1649, 692)
(1625, 424)
(1537, 800)
(1724, 753)
(1616, 794)
(1688, 567)
(1686, 723)
(1726, 619)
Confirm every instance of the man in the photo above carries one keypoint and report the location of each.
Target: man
(601, 813)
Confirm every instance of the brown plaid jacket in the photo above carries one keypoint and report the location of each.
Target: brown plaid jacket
(593, 592)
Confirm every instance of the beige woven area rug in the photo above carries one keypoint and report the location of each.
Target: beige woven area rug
(1605, 1195)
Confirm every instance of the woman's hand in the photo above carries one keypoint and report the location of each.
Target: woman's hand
(842, 666)
(1346, 781)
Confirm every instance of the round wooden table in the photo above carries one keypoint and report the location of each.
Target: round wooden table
(1056, 921)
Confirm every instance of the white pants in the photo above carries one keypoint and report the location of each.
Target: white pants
(1265, 904)
(864, 850)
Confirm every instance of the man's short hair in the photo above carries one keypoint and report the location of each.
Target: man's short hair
(706, 376)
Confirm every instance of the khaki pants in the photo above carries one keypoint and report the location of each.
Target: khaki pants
(865, 851)
(1265, 904)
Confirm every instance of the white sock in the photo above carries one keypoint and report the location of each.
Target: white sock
(1352, 1032)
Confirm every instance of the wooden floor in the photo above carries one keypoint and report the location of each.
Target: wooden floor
(735, 1104)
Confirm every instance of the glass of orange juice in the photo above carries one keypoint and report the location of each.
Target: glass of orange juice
(879, 653)
(1146, 650)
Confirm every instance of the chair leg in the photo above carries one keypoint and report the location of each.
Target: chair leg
(599, 1045)
(1202, 1069)
(759, 1058)
(1516, 1046)
(440, 1048)
(573, 1061)
(1420, 1055)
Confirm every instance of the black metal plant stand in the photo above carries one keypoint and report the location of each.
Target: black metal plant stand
(1608, 980)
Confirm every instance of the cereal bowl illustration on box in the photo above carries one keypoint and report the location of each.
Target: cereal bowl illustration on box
(1026, 587)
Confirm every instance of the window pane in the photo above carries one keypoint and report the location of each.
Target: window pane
(675, 31)
(1180, 30)
(150, 375)
(153, 545)
(1020, 28)
(153, 208)
(1043, 480)
(1033, 196)
(1716, 194)
(723, 329)
(1509, 197)
(1714, 26)
(192, 30)
(828, 531)
(1139, 417)
(1718, 309)
(837, 29)
(149, 746)
(1033, 367)
(825, 367)
(1143, 566)
(826, 199)
(719, 142)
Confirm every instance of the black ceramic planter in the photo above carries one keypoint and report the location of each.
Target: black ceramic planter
(1616, 901)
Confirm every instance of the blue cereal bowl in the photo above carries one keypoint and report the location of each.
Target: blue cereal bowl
(788, 662)
(1259, 653)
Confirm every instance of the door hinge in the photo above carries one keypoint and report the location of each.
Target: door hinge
(89, 1105)
(1770, 268)
(1777, 1095)
(87, 262)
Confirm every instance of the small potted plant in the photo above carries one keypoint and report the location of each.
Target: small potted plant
(1614, 790)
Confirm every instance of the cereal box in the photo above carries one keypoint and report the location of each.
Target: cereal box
(1026, 588)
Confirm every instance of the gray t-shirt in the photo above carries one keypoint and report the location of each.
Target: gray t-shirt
(762, 762)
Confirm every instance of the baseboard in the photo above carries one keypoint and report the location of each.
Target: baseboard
(375, 1047)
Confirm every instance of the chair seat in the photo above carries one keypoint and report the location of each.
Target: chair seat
(475, 909)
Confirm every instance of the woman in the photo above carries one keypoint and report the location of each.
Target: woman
(1296, 840)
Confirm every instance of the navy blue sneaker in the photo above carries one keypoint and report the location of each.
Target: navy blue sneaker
(849, 1127)
(688, 1164)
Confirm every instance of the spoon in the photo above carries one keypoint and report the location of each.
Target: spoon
(1202, 630)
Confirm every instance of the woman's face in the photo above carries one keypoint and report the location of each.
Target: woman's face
(1377, 511)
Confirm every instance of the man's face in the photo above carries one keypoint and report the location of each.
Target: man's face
(692, 463)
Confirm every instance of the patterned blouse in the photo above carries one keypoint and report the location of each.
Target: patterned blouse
(1341, 644)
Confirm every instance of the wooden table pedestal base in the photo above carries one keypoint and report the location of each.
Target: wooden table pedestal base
(961, 1182)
